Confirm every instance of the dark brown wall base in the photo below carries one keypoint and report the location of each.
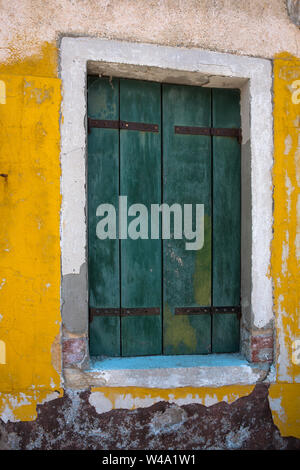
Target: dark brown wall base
(72, 423)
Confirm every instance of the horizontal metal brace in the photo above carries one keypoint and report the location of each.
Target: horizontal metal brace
(192, 310)
(103, 124)
(226, 309)
(145, 127)
(209, 131)
(138, 126)
(123, 312)
(118, 124)
(190, 130)
(207, 310)
(103, 312)
(128, 312)
(146, 311)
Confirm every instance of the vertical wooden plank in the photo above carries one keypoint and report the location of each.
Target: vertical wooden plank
(103, 187)
(186, 180)
(225, 333)
(140, 181)
(226, 220)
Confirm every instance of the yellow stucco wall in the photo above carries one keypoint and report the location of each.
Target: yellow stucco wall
(284, 396)
(29, 241)
(30, 321)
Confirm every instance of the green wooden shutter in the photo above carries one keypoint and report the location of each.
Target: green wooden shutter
(138, 277)
(187, 180)
(140, 180)
(103, 187)
(226, 221)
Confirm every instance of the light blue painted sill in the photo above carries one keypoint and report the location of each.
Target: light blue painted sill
(169, 362)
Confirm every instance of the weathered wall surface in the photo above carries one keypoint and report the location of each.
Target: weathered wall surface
(260, 28)
(35, 409)
(246, 424)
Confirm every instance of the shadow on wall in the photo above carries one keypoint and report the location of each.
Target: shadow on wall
(293, 8)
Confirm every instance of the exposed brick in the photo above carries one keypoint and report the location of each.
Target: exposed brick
(262, 348)
(74, 351)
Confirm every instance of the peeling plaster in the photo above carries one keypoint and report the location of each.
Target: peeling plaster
(284, 400)
(288, 144)
(285, 267)
(297, 238)
(71, 422)
(100, 402)
(106, 399)
(289, 190)
(21, 406)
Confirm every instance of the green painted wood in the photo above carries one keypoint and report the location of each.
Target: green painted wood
(103, 187)
(187, 175)
(186, 180)
(225, 332)
(226, 220)
(140, 181)
(105, 336)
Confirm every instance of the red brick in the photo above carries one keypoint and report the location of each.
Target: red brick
(74, 350)
(262, 348)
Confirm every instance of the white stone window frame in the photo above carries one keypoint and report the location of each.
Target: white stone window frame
(253, 76)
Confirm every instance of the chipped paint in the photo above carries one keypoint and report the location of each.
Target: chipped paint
(2, 352)
(286, 171)
(71, 422)
(21, 406)
(284, 396)
(284, 402)
(108, 398)
(42, 62)
(2, 92)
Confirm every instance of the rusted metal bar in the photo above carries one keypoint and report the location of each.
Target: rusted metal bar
(126, 125)
(193, 130)
(127, 312)
(209, 131)
(103, 312)
(192, 310)
(205, 310)
(222, 310)
(226, 132)
(103, 124)
(138, 126)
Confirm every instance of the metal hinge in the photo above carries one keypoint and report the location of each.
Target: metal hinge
(118, 124)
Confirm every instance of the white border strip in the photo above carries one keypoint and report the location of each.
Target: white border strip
(75, 52)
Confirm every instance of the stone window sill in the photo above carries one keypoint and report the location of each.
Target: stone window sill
(212, 370)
